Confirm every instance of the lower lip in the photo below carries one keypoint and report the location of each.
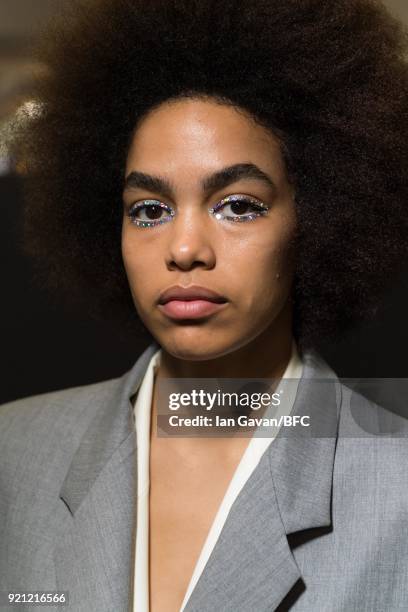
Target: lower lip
(193, 309)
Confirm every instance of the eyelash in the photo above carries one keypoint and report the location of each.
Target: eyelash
(260, 210)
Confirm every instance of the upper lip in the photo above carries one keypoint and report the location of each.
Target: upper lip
(194, 292)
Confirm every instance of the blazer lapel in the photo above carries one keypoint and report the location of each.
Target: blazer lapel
(94, 555)
(252, 566)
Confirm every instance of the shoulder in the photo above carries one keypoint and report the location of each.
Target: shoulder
(366, 407)
(57, 421)
(52, 418)
(371, 458)
(68, 409)
(370, 413)
(67, 404)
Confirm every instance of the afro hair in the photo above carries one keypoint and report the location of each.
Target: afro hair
(329, 76)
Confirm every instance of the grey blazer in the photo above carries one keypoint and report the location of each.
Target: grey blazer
(321, 525)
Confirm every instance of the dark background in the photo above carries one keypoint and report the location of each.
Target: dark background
(48, 345)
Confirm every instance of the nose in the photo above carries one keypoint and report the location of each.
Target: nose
(190, 242)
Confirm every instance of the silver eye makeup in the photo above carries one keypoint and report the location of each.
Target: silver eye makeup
(236, 208)
(241, 208)
(149, 213)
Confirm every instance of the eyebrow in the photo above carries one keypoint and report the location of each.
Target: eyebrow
(233, 174)
(214, 182)
(140, 180)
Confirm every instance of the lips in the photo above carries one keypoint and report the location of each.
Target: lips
(187, 294)
(190, 302)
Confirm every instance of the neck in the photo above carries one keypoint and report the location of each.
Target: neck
(267, 356)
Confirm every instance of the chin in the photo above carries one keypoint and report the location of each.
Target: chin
(202, 346)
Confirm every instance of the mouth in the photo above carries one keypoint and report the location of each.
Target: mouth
(192, 302)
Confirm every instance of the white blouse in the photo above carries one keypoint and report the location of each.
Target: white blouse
(246, 466)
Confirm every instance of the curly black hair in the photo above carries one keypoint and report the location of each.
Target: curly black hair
(328, 75)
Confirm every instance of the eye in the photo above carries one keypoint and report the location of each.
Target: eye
(149, 213)
(239, 208)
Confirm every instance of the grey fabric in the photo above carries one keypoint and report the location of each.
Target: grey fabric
(321, 525)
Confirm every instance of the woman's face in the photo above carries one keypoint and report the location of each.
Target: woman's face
(207, 208)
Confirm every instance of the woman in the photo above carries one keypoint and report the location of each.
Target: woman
(238, 170)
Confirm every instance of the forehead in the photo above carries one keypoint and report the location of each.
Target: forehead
(200, 135)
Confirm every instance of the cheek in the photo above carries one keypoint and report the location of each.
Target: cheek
(135, 258)
(261, 267)
(128, 254)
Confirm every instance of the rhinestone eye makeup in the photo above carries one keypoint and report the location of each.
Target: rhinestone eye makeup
(237, 204)
(149, 207)
(236, 208)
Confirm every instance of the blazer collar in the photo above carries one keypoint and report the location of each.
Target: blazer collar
(112, 426)
(302, 458)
